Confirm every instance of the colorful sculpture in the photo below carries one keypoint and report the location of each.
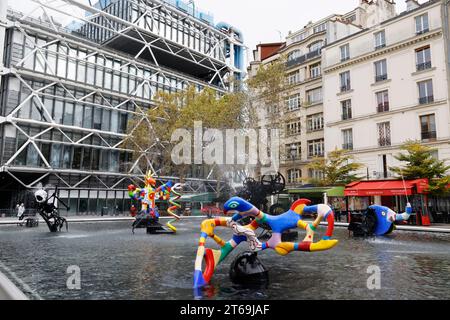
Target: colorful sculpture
(288, 220)
(377, 220)
(147, 196)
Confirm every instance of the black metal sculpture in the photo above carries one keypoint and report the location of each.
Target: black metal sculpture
(256, 192)
(248, 270)
(49, 212)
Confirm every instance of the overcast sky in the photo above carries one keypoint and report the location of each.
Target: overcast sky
(262, 20)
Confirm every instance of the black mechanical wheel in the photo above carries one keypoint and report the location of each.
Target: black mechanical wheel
(368, 223)
(249, 182)
(273, 183)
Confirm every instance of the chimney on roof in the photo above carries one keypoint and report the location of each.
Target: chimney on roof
(411, 5)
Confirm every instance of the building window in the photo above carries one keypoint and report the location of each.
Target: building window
(293, 128)
(320, 28)
(315, 71)
(315, 148)
(293, 102)
(294, 176)
(294, 55)
(293, 151)
(293, 78)
(314, 96)
(422, 25)
(346, 109)
(428, 127)
(315, 122)
(316, 46)
(300, 37)
(425, 91)
(316, 174)
(345, 52)
(382, 101)
(347, 138)
(384, 134)
(272, 110)
(345, 81)
(423, 58)
(381, 70)
(380, 40)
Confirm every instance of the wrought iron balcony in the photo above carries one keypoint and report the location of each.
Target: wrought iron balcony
(424, 66)
(316, 155)
(430, 135)
(380, 46)
(422, 31)
(381, 77)
(383, 107)
(303, 58)
(311, 130)
(346, 87)
(384, 142)
(347, 146)
(425, 100)
(347, 115)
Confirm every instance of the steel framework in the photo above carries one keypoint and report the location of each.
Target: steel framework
(149, 39)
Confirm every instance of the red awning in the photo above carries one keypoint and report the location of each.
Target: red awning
(386, 188)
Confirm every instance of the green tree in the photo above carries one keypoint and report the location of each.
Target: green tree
(420, 163)
(269, 83)
(150, 137)
(337, 168)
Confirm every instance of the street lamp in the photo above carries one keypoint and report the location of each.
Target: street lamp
(293, 151)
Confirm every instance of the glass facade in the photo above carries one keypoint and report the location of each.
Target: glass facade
(75, 99)
(96, 70)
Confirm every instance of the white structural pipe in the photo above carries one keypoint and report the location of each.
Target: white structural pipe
(3, 9)
(8, 290)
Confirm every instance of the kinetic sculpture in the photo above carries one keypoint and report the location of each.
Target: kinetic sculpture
(377, 220)
(242, 209)
(256, 192)
(149, 215)
(48, 211)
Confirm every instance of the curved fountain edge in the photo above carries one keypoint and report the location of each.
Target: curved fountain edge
(406, 228)
(118, 219)
(9, 291)
(99, 219)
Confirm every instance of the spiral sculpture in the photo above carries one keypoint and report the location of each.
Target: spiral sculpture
(174, 206)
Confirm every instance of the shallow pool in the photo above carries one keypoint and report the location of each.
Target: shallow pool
(115, 264)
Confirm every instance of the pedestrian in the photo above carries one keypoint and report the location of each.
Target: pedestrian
(16, 210)
(21, 210)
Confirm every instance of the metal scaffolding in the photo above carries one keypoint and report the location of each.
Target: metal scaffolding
(206, 67)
